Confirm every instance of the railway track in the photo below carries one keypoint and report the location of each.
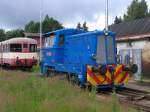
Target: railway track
(136, 98)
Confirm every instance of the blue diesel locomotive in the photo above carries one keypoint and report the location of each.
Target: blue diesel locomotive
(87, 58)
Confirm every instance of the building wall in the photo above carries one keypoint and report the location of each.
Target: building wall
(38, 41)
(146, 61)
(135, 52)
(139, 44)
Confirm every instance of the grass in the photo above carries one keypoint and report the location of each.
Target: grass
(27, 92)
(36, 68)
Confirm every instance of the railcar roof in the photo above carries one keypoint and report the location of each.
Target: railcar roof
(20, 40)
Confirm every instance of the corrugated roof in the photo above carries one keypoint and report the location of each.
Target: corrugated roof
(136, 27)
(20, 40)
(27, 34)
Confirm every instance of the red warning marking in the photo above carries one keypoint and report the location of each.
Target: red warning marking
(93, 76)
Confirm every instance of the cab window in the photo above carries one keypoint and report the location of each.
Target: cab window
(49, 41)
(61, 40)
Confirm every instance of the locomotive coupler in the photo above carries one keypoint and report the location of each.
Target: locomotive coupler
(131, 68)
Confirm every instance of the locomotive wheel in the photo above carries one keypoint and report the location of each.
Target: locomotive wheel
(50, 73)
(83, 87)
(77, 80)
(47, 73)
(89, 88)
(67, 77)
(74, 80)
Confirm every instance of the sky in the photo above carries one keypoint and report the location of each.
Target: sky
(16, 13)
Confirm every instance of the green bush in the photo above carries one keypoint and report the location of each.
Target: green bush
(36, 68)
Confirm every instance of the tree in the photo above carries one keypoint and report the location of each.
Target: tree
(2, 34)
(48, 24)
(15, 33)
(78, 26)
(32, 27)
(117, 20)
(137, 10)
(85, 26)
(149, 13)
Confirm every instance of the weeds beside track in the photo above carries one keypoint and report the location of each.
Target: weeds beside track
(27, 92)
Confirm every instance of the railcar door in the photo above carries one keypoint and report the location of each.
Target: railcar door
(25, 48)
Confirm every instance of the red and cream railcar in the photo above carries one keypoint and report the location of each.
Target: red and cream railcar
(18, 52)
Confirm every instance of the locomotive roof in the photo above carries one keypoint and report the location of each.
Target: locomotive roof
(76, 32)
(96, 32)
(65, 31)
(20, 40)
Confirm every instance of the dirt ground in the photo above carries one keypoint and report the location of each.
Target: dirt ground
(145, 86)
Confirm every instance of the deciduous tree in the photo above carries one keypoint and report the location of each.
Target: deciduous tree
(48, 24)
(2, 34)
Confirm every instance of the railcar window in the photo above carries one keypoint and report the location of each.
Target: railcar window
(4, 48)
(15, 48)
(33, 48)
(1, 48)
(25, 45)
(7, 47)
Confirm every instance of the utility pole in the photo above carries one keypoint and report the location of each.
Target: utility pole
(1, 52)
(106, 16)
(41, 10)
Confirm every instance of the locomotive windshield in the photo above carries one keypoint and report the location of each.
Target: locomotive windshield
(15, 48)
(105, 50)
(49, 41)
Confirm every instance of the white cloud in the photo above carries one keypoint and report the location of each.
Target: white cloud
(16, 13)
(98, 23)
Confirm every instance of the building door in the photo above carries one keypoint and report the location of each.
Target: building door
(136, 56)
(124, 56)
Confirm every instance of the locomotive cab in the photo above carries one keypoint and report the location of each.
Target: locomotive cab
(53, 51)
(54, 48)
